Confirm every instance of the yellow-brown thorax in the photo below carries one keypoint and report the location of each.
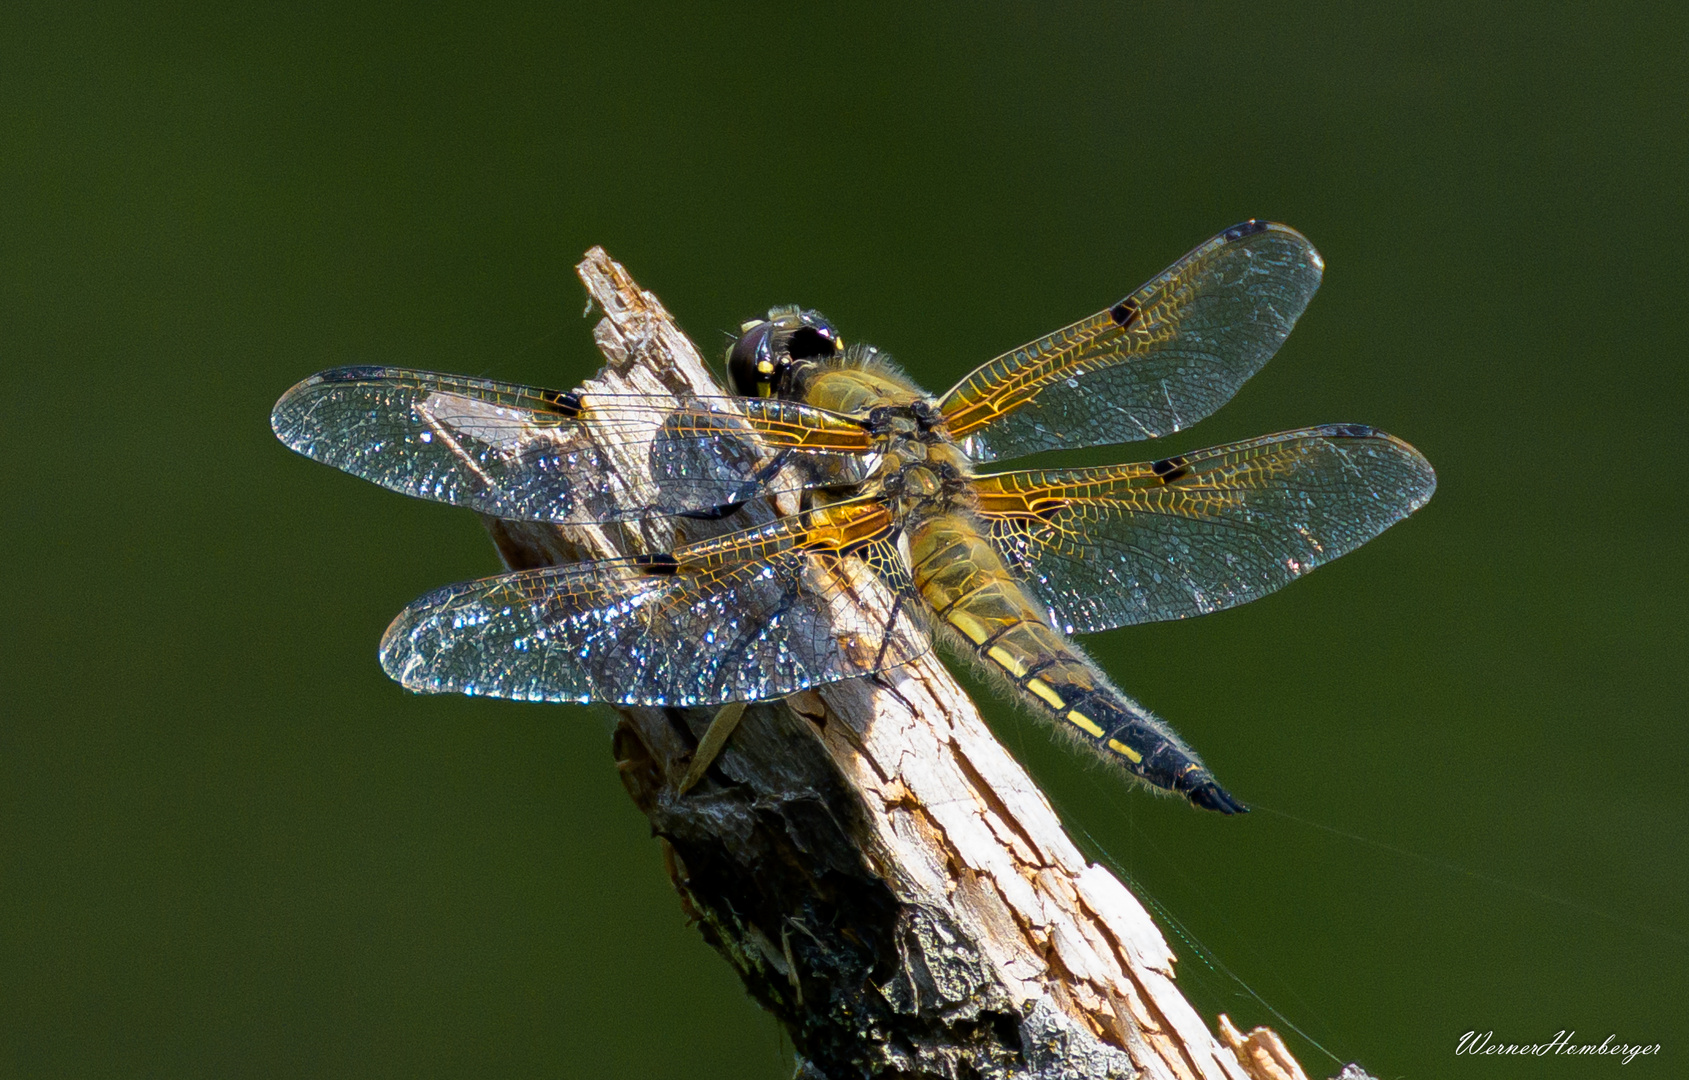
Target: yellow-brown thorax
(923, 478)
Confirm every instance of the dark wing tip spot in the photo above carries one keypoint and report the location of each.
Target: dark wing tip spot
(1124, 313)
(1243, 229)
(1352, 431)
(356, 373)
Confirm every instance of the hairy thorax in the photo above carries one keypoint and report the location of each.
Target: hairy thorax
(922, 472)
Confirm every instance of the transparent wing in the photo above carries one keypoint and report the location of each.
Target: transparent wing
(1158, 361)
(544, 455)
(749, 616)
(1202, 531)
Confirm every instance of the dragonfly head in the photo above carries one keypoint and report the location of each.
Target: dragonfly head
(769, 352)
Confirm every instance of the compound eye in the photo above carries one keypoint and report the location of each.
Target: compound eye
(808, 343)
(751, 365)
(814, 340)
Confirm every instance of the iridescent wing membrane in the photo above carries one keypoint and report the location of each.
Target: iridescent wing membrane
(823, 595)
(1155, 363)
(543, 455)
(812, 598)
(1202, 531)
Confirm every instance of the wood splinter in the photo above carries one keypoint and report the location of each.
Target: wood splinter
(721, 729)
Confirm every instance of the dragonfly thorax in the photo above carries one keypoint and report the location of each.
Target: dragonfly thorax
(923, 473)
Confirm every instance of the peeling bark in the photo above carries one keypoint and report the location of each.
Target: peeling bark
(884, 877)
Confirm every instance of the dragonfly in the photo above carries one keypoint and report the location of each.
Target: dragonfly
(893, 535)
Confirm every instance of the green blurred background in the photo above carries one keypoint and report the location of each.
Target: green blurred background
(230, 847)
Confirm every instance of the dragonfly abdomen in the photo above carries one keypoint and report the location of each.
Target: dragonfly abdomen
(966, 584)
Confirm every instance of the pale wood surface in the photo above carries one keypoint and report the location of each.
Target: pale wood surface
(882, 874)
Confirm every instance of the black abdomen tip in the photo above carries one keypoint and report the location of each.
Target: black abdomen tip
(1246, 228)
(1211, 796)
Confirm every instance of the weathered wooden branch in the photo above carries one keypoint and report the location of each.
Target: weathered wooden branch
(881, 873)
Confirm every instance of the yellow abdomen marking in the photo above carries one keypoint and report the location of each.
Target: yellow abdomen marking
(1121, 748)
(1046, 691)
(1007, 660)
(971, 627)
(1085, 723)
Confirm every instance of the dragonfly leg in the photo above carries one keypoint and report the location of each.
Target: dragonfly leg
(711, 745)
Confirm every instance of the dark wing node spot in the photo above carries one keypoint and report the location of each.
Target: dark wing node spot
(1171, 469)
(1353, 431)
(566, 405)
(1247, 228)
(1124, 313)
(657, 565)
